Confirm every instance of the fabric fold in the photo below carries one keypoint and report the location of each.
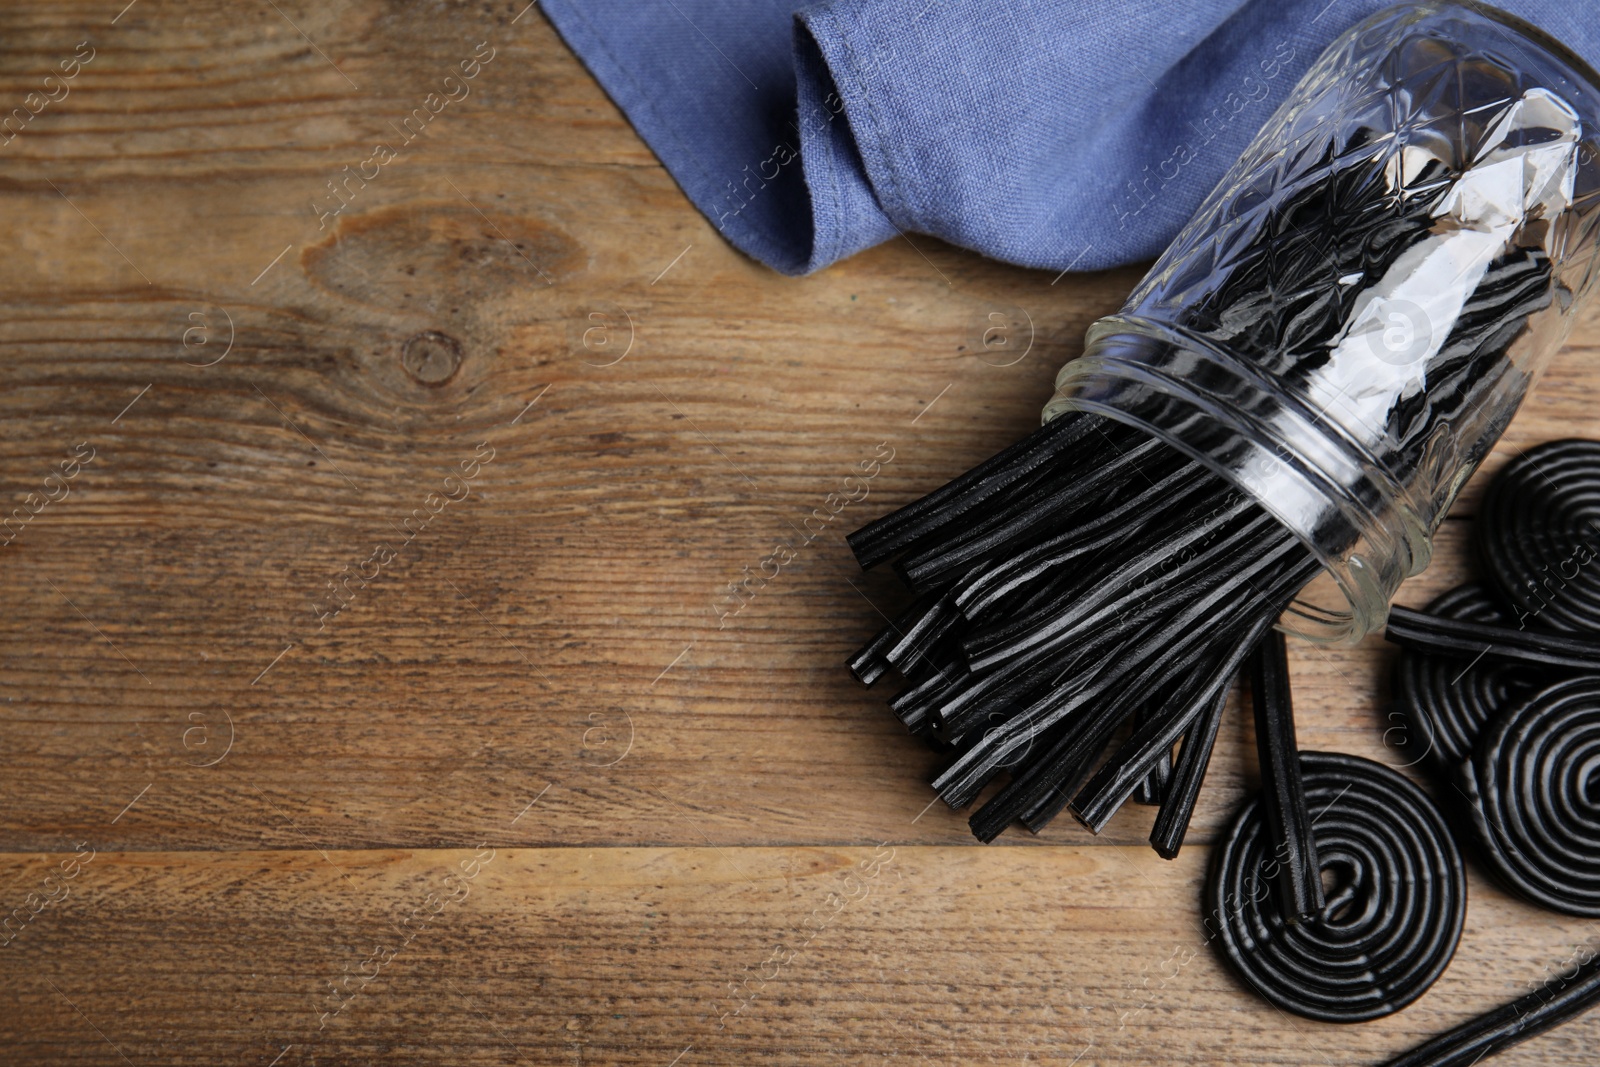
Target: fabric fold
(1059, 134)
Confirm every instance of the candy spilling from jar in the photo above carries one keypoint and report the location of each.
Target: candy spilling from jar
(1299, 388)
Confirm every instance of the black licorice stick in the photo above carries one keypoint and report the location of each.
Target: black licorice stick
(867, 663)
(915, 643)
(1444, 702)
(1152, 789)
(1418, 630)
(1282, 792)
(878, 541)
(1560, 1000)
(1188, 775)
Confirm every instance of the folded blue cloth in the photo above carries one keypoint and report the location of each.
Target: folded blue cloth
(1065, 134)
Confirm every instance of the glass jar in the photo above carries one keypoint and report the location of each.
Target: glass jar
(1353, 316)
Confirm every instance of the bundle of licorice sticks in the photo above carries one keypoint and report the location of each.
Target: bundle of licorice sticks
(1091, 575)
(1086, 576)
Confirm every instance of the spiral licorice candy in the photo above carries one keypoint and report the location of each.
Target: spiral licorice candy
(1539, 532)
(1533, 786)
(1445, 701)
(1393, 913)
(1283, 800)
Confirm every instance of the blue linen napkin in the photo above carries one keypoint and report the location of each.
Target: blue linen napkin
(1063, 134)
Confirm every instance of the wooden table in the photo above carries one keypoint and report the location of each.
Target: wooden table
(373, 669)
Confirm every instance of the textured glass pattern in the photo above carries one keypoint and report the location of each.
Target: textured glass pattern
(1353, 316)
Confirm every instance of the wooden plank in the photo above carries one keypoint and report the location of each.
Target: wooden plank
(905, 954)
(271, 397)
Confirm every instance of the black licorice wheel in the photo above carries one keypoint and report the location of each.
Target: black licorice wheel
(1486, 691)
(1445, 701)
(1394, 908)
(1538, 535)
(1533, 789)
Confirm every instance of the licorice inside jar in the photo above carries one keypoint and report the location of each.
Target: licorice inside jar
(1355, 313)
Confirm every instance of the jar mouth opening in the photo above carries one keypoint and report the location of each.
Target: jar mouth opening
(1119, 377)
(1312, 621)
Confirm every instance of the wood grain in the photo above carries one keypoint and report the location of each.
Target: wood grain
(271, 787)
(794, 955)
